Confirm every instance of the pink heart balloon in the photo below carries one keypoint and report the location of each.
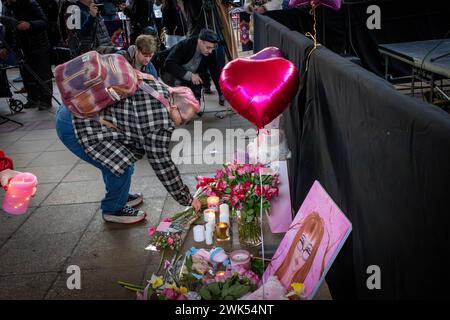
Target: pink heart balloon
(266, 53)
(259, 90)
(332, 4)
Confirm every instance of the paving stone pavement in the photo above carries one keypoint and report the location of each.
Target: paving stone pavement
(63, 226)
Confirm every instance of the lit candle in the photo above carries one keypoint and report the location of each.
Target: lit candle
(220, 276)
(199, 233)
(213, 203)
(209, 215)
(222, 231)
(224, 215)
(19, 191)
(240, 258)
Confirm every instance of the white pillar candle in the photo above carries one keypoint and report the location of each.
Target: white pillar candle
(210, 226)
(209, 236)
(199, 233)
(209, 215)
(224, 215)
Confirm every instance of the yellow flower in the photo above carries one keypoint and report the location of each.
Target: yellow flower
(298, 288)
(183, 290)
(156, 282)
(172, 286)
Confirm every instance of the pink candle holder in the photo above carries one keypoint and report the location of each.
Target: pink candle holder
(240, 258)
(19, 191)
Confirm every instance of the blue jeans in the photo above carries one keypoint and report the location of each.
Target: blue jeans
(117, 187)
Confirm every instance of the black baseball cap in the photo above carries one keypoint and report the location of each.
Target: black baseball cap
(208, 35)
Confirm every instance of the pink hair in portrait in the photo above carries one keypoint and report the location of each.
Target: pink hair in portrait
(308, 237)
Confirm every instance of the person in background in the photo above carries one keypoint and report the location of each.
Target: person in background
(139, 13)
(157, 14)
(173, 22)
(140, 54)
(93, 34)
(29, 41)
(189, 62)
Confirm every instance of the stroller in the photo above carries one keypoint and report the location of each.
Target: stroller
(15, 105)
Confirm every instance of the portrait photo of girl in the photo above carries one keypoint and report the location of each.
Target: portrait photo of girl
(311, 244)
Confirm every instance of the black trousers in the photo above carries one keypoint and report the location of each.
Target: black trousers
(39, 63)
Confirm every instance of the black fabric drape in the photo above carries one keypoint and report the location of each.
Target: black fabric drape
(384, 159)
(345, 31)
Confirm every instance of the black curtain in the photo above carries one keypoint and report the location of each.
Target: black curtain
(384, 159)
(345, 31)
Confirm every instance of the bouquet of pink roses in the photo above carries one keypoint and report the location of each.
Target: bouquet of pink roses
(243, 186)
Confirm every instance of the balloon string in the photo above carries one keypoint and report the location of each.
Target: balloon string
(314, 35)
(260, 212)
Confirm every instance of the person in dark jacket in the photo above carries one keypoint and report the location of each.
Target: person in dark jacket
(189, 61)
(173, 22)
(139, 13)
(28, 39)
(93, 34)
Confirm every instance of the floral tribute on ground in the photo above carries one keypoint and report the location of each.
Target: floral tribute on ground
(247, 189)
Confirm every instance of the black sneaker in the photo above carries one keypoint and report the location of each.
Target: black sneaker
(127, 215)
(44, 106)
(135, 199)
(31, 104)
(221, 100)
(207, 91)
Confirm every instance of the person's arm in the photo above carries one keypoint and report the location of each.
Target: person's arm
(156, 145)
(87, 21)
(9, 36)
(38, 20)
(7, 175)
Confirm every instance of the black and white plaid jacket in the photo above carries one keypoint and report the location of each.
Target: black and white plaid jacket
(143, 127)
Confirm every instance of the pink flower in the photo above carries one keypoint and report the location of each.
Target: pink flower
(203, 181)
(210, 193)
(247, 185)
(167, 220)
(221, 185)
(259, 167)
(258, 191)
(220, 174)
(253, 277)
(170, 241)
(207, 281)
(151, 231)
(170, 294)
